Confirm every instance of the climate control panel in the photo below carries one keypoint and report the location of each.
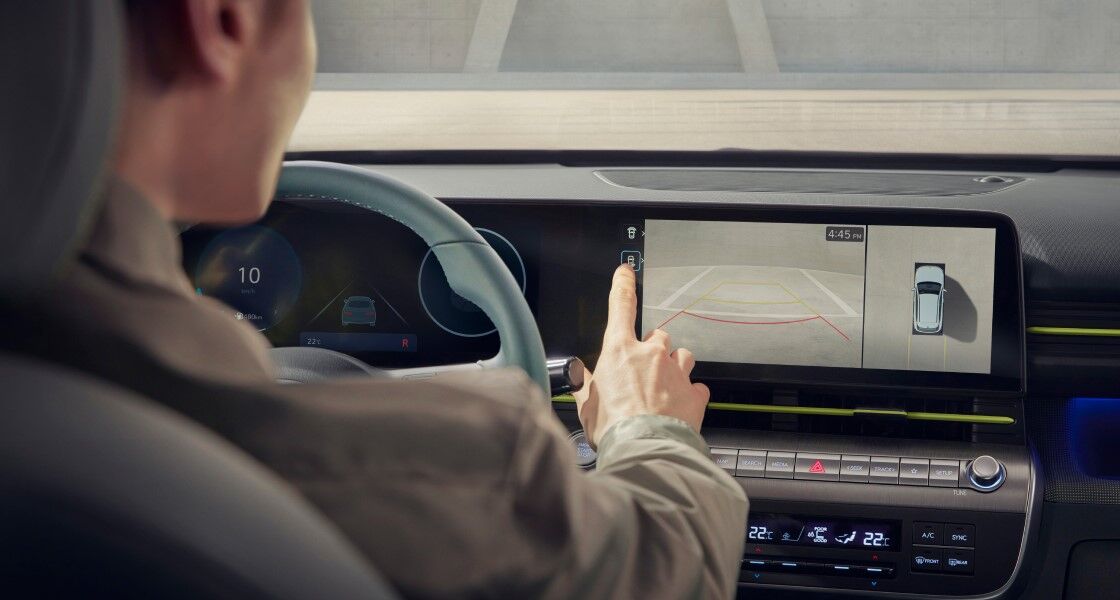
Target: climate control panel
(878, 515)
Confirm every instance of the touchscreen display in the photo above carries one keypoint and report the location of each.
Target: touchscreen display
(841, 295)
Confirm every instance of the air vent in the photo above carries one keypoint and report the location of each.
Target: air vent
(808, 182)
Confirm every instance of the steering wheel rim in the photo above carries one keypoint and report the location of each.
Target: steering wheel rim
(473, 269)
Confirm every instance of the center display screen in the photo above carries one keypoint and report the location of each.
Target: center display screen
(904, 298)
(822, 532)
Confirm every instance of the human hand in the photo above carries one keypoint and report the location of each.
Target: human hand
(636, 377)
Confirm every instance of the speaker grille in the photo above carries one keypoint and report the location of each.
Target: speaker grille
(809, 182)
(1048, 421)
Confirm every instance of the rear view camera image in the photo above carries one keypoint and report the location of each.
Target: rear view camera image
(768, 293)
(842, 295)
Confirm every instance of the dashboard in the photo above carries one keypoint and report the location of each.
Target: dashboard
(909, 367)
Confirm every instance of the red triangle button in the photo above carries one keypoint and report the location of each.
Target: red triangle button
(817, 467)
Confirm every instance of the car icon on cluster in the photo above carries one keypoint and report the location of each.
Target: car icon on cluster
(929, 298)
(359, 310)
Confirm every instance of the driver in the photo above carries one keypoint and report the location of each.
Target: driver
(461, 486)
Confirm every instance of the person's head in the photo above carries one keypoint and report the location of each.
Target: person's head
(214, 90)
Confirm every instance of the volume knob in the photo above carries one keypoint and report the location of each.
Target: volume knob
(985, 474)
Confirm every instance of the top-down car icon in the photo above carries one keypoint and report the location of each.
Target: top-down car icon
(359, 310)
(929, 298)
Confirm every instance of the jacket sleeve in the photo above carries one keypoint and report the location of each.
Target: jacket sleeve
(657, 519)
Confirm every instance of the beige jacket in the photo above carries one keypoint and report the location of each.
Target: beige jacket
(465, 486)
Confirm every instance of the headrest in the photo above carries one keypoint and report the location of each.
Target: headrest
(63, 70)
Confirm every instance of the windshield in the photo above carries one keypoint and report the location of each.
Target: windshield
(956, 76)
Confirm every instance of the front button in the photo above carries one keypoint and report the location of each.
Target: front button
(779, 465)
(929, 560)
(818, 466)
(913, 471)
(854, 468)
(725, 458)
(944, 473)
(884, 469)
(752, 463)
(960, 534)
(929, 533)
(960, 561)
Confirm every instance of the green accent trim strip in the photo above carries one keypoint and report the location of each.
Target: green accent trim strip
(844, 412)
(880, 412)
(1074, 331)
(982, 419)
(789, 410)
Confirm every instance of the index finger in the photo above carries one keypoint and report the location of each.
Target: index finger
(622, 309)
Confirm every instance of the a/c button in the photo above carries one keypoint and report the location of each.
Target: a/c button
(929, 534)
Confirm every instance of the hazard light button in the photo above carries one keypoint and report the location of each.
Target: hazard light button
(817, 466)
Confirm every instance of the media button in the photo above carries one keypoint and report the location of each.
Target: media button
(884, 469)
(913, 471)
(928, 560)
(818, 466)
(779, 465)
(960, 561)
(944, 473)
(855, 468)
(725, 458)
(752, 463)
(960, 534)
(929, 533)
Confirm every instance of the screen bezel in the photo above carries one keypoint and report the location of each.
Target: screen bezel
(1007, 369)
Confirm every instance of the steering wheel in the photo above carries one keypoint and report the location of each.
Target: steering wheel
(473, 269)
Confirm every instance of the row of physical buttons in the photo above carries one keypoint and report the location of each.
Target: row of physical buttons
(804, 567)
(943, 560)
(960, 535)
(838, 467)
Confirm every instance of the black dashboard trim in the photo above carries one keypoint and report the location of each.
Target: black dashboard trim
(728, 157)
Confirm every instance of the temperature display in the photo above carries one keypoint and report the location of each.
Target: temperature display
(826, 532)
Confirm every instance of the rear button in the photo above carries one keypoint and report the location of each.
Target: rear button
(959, 561)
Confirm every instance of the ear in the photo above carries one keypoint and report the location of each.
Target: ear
(220, 32)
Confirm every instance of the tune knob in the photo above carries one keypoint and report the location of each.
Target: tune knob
(985, 474)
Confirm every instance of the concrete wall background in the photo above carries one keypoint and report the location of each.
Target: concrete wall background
(809, 36)
(621, 35)
(393, 36)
